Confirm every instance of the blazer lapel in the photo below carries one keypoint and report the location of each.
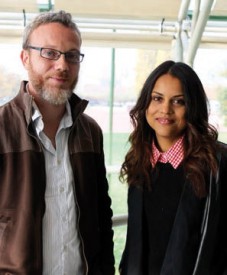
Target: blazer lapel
(183, 244)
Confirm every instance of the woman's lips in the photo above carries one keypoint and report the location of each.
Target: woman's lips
(164, 121)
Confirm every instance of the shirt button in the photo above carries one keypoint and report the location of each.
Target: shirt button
(62, 189)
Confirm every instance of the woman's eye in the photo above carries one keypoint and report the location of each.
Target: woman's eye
(156, 98)
(178, 102)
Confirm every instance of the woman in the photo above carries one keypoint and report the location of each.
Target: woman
(177, 177)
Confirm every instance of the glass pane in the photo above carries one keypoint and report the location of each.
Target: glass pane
(211, 66)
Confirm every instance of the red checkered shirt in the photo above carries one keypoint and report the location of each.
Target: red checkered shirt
(174, 155)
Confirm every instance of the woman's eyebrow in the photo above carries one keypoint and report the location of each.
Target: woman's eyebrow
(181, 95)
(156, 92)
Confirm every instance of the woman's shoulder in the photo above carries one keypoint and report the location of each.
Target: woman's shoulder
(222, 148)
(222, 156)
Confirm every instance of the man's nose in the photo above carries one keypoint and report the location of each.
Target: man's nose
(61, 63)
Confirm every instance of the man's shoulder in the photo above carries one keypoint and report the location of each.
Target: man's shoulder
(6, 110)
(91, 122)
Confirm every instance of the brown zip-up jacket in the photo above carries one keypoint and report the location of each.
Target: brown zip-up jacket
(22, 188)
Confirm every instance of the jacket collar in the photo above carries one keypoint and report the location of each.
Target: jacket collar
(24, 101)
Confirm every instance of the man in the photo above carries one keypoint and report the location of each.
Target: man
(55, 215)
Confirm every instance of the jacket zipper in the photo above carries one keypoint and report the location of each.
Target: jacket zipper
(81, 239)
(78, 219)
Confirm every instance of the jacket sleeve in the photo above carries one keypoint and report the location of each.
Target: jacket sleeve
(219, 262)
(91, 188)
(131, 262)
(105, 221)
(223, 214)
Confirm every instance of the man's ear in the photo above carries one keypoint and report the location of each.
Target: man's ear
(24, 56)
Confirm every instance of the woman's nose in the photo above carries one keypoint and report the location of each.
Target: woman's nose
(166, 107)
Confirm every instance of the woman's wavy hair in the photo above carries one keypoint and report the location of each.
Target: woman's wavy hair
(200, 137)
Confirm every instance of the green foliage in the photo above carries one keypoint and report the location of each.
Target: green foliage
(10, 83)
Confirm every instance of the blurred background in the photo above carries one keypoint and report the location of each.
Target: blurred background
(123, 41)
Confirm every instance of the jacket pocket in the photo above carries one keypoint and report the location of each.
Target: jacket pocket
(5, 220)
(2, 230)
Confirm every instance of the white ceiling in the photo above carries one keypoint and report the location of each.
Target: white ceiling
(220, 8)
(149, 23)
(143, 9)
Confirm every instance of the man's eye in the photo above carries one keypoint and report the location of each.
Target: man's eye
(73, 56)
(50, 53)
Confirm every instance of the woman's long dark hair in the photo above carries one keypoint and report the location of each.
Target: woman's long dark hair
(200, 137)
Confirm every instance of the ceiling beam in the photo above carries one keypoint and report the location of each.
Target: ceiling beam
(146, 9)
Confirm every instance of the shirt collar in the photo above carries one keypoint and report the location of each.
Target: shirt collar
(174, 155)
(66, 121)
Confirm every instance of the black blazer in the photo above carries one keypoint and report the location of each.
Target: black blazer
(211, 258)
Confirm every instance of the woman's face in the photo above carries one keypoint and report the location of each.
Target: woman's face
(166, 111)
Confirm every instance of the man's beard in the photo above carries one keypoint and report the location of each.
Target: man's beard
(53, 95)
(55, 98)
